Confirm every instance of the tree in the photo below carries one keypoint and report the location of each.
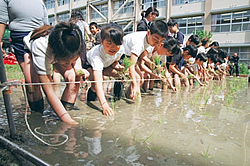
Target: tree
(203, 34)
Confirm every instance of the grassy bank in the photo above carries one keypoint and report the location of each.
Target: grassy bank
(13, 72)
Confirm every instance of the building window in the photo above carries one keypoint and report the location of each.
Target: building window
(231, 22)
(128, 8)
(63, 2)
(103, 8)
(190, 24)
(51, 20)
(50, 4)
(178, 2)
(243, 53)
(84, 13)
(63, 17)
(155, 3)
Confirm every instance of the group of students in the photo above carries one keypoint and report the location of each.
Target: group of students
(63, 47)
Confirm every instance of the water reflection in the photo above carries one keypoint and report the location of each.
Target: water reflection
(195, 126)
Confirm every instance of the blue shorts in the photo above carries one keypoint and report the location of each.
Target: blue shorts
(18, 45)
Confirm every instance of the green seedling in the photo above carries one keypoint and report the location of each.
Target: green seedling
(149, 136)
(157, 60)
(206, 155)
(127, 63)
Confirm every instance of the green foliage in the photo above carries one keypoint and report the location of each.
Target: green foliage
(127, 63)
(13, 72)
(243, 68)
(157, 60)
(203, 34)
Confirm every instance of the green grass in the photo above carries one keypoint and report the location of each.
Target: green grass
(13, 72)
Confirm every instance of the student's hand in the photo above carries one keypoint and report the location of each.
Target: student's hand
(174, 88)
(117, 66)
(4, 53)
(107, 110)
(66, 118)
(83, 72)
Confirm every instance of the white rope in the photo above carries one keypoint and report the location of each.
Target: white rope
(37, 128)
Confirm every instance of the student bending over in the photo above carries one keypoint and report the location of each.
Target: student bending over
(62, 47)
(102, 60)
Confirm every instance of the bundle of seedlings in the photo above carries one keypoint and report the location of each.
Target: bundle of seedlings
(123, 76)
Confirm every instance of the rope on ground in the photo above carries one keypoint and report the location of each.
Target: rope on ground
(37, 128)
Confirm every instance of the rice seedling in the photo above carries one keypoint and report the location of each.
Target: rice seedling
(159, 119)
(127, 63)
(149, 136)
(206, 155)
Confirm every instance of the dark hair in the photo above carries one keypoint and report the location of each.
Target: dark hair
(148, 11)
(204, 41)
(65, 40)
(76, 15)
(213, 54)
(214, 43)
(171, 44)
(172, 22)
(159, 27)
(222, 53)
(41, 32)
(114, 32)
(93, 23)
(201, 56)
(192, 50)
(195, 39)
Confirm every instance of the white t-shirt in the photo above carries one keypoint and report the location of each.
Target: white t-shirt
(152, 54)
(135, 43)
(42, 57)
(82, 24)
(99, 59)
(201, 49)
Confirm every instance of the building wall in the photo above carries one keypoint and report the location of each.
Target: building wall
(206, 9)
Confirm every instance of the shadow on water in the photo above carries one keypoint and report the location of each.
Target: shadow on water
(196, 126)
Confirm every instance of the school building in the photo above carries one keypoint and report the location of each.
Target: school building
(228, 20)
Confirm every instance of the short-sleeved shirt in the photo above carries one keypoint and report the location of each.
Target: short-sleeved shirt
(179, 37)
(23, 16)
(82, 24)
(152, 54)
(135, 43)
(175, 58)
(99, 59)
(42, 57)
(201, 49)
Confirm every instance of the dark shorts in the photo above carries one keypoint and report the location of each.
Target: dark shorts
(18, 45)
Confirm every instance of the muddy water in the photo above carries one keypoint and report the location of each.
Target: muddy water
(196, 126)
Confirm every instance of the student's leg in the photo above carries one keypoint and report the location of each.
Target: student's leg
(177, 81)
(71, 90)
(34, 93)
(91, 95)
(186, 81)
(237, 69)
(145, 85)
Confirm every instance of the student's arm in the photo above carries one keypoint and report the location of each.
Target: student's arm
(144, 59)
(132, 72)
(88, 33)
(2, 28)
(172, 67)
(100, 93)
(54, 100)
(78, 67)
(195, 77)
